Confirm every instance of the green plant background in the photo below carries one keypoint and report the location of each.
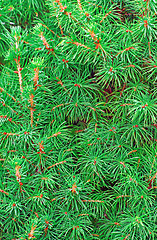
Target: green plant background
(78, 130)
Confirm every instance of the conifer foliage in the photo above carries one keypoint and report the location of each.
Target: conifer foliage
(78, 130)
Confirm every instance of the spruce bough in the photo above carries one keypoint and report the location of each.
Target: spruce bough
(78, 130)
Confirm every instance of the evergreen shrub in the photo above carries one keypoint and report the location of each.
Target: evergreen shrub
(78, 130)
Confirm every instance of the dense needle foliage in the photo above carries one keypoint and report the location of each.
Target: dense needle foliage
(78, 130)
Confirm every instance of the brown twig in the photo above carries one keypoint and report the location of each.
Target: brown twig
(2, 90)
(56, 164)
